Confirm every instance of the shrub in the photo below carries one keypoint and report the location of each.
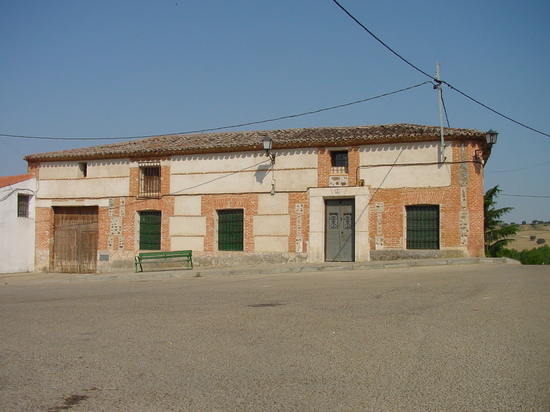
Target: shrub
(532, 237)
(540, 241)
(537, 256)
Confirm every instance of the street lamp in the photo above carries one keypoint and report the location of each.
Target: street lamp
(491, 137)
(482, 155)
(268, 145)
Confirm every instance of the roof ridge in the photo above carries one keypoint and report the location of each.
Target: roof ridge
(233, 141)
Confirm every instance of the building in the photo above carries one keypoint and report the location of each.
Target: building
(17, 199)
(320, 194)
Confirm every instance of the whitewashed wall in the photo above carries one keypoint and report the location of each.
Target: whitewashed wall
(63, 179)
(404, 165)
(17, 234)
(244, 172)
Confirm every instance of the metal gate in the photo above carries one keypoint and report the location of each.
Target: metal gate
(340, 230)
(75, 239)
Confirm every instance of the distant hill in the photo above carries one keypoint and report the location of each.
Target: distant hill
(523, 238)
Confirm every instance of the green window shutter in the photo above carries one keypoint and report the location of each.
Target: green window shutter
(149, 230)
(231, 229)
(423, 227)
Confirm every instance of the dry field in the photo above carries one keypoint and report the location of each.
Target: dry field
(522, 239)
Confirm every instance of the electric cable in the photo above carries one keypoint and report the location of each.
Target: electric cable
(435, 79)
(382, 43)
(534, 196)
(495, 111)
(517, 170)
(221, 127)
(445, 110)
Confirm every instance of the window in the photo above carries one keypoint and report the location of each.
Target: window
(149, 229)
(230, 229)
(339, 161)
(23, 205)
(82, 169)
(149, 181)
(422, 227)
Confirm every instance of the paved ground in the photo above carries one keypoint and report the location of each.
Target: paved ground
(431, 338)
(162, 272)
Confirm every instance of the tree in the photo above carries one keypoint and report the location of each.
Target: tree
(496, 236)
(537, 256)
(532, 257)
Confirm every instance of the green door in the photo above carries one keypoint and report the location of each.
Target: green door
(149, 229)
(231, 229)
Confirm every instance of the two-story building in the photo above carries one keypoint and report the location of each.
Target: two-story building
(319, 194)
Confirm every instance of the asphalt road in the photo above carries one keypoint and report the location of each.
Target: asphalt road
(457, 338)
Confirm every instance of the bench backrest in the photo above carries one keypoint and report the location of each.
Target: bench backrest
(172, 253)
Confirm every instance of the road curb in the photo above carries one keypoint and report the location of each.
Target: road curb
(19, 278)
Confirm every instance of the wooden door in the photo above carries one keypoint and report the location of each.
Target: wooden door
(75, 239)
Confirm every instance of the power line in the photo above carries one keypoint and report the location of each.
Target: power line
(445, 111)
(221, 127)
(433, 78)
(496, 112)
(381, 42)
(544, 196)
(516, 170)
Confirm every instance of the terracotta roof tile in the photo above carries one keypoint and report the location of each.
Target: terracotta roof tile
(11, 180)
(251, 140)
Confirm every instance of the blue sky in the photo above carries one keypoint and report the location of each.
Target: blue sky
(77, 68)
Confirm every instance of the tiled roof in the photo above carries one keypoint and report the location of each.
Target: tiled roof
(11, 180)
(251, 140)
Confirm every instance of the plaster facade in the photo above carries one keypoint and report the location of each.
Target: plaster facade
(283, 204)
(17, 233)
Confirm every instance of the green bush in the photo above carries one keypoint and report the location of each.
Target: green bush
(536, 256)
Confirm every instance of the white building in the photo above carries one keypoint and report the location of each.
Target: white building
(17, 223)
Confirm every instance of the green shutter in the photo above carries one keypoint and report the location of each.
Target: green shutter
(230, 229)
(423, 227)
(149, 230)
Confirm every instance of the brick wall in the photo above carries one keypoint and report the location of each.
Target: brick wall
(44, 237)
(298, 208)
(211, 203)
(461, 208)
(324, 166)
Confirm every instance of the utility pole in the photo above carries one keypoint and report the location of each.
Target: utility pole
(442, 157)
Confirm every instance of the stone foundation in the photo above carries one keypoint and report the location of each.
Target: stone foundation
(222, 259)
(381, 255)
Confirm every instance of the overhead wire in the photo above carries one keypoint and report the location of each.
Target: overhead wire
(531, 196)
(517, 170)
(445, 110)
(495, 111)
(222, 127)
(381, 42)
(435, 79)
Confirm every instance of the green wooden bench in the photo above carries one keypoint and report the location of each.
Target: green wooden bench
(185, 256)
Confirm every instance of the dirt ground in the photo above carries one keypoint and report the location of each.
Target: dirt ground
(522, 239)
